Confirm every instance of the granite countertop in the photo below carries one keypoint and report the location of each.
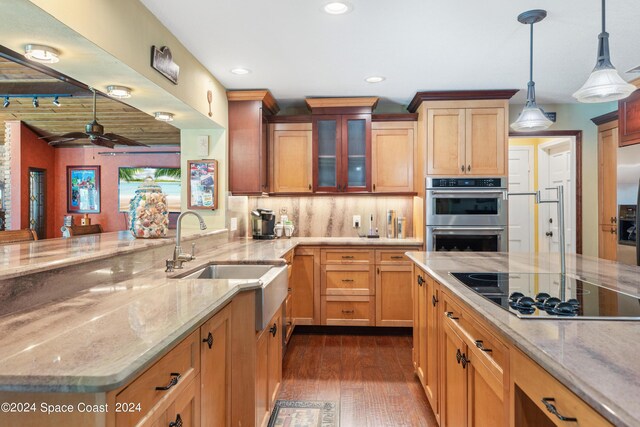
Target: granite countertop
(596, 359)
(101, 337)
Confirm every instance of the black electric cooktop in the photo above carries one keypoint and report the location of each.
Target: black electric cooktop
(539, 296)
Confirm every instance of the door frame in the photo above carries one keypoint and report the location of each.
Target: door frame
(44, 191)
(577, 134)
(530, 149)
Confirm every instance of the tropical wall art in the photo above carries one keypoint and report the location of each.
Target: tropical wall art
(83, 189)
(130, 178)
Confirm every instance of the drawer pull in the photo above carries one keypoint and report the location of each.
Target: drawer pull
(273, 330)
(174, 380)
(347, 280)
(348, 311)
(177, 422)
(397, 257)
(480, 345)
(552, 408)
(434, 300)
(348, 257)
(458, 356)
(420, 280)
(209, 340)
(289, 289)
(450, 315)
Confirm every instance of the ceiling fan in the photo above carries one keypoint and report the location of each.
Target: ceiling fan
(95, 132)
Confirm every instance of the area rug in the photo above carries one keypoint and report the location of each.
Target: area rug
(304, 413)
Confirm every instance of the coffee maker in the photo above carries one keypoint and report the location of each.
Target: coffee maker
(263, 224)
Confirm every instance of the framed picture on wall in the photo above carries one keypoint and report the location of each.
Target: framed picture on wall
(202, 185)
(83, 189)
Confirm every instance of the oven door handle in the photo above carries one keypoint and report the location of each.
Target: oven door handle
(438, 230)
(498, 193)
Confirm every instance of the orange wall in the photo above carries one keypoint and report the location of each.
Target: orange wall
(31, 152)
(109, 217)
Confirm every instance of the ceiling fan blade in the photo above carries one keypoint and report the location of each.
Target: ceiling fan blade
(61, 141)
(103, 142)
(72, 135)
(124, 140)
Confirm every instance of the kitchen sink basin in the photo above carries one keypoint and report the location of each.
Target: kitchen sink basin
(271, 281)
(230, 271)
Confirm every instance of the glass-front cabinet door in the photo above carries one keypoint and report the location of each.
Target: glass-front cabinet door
(342, 153)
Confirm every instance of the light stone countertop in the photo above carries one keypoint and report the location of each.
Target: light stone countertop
(596, 359)
(101, 337)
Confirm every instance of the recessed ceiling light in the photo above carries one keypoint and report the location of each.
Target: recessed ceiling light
(375, 79)
(240, 71)
(163, 116)
(118, 91)
(337, 8)
(41, 53)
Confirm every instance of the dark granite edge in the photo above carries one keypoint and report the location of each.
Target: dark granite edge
(594, 398)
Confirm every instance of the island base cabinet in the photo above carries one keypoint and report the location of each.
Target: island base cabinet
(544, 401)
(453, 410)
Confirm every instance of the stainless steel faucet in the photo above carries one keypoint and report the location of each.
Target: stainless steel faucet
(180, 257)
(561, 237)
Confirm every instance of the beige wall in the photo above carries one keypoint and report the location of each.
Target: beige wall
(578, 117)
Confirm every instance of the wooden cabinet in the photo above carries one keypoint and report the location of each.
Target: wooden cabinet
(468, 141)
(419, 324)
(393, 295)
(268, 368)
(607, 185)
(393, 155)
(348, 310)
(305, 286)
(629, 116)
(542, 402)
(248, 156)
(291, 168)
(453, 409)
(432, 344)
(215, 369)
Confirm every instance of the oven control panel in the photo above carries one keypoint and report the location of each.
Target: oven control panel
(466, 183)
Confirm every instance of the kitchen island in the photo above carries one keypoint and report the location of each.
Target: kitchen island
(594, 359)
(89, 314)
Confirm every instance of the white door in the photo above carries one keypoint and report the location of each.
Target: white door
(521, 224)
(558, 172)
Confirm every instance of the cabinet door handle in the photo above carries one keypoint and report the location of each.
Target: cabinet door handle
(450, 315)
(289, 289)
(614, 220)
(434, 300)
(420, 280)
(347, 280)
(174, 380)
(378, 270)
(309, 186)
(613, 231)
(480, 345)
(273, 330)
(462, 168)
(458, 356)
(177, 422)
(464, 361)
(374, 187)
(348, 311)
(209, 340)
(468, 168)
(552, 408)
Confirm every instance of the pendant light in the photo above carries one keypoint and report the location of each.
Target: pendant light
(532, 117)
(604, 84)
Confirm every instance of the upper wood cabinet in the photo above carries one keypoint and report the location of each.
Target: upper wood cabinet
(393, 156)
(341, 143)
(629, 112)
(466, 132)
(248, 156)
(291, 158)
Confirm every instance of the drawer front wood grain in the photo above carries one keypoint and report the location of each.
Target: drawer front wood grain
(347, 280)
(347, 256)
(537, 384)
(352, 310)
(183, 359)
(395, 256)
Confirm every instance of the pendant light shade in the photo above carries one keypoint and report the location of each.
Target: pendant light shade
(532, 117)
(604, 84)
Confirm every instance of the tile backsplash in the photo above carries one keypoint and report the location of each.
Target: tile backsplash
(327, 216)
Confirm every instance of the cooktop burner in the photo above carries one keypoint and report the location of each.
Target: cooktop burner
(538, 296)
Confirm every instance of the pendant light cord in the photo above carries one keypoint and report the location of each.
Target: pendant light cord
(603, 9)
(531, 54)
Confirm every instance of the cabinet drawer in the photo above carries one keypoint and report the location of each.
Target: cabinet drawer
(544, 386)
(395, 256)
(183, 359)
(346, 256)
(351, 310)
(347, 280)
(288, 257)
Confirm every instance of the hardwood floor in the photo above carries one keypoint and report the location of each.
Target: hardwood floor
(370, 377)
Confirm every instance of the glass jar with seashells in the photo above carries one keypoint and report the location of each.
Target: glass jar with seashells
(148, 212)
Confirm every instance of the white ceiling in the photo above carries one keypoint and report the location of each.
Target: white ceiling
(296, 50)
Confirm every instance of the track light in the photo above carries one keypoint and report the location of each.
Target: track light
(6, 102)
(34, 96)
(35, 102)
(56, 102)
